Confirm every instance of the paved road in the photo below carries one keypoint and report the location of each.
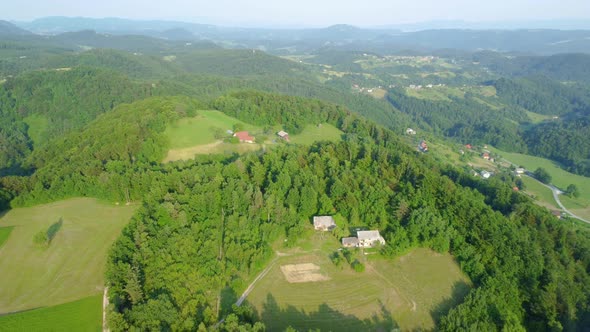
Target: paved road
(556, 192)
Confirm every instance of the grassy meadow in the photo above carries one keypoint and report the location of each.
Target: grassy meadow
(313, 133)
(408, 292)
(37, 125)
(199, 130)
(542, 195)
(71, 267)
(4, 234)
(81, 315)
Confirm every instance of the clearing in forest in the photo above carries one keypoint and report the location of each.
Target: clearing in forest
(409, 292)
(204, 134)
(72, 266)
(315, 133)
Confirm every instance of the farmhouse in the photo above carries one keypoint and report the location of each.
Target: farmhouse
(349, 242)
(486, 156)
(323, 223)
(284, 135)
(485, 174)
(244, 137)
(519, 171)
(369, 238)
(410, 131)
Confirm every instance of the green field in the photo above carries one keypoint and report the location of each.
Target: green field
(409, 292)
(73, 265)
(4, 234)
(81, 315)
(37, 126)
(313, 133)
(537, 118)
(189, 132)
(543, 195)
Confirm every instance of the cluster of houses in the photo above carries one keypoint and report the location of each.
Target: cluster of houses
(428, 86)
(367, 90)
(364, 239)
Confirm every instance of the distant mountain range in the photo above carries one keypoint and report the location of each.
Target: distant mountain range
(391, 39)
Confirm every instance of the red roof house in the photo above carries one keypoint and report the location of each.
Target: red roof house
(244, 137)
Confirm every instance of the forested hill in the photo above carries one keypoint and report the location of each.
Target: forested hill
(500, 238)
(561, 67)
(9, 29)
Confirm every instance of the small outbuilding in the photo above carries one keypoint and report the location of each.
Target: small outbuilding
(350, 242)
(369, 238)
(283, 135)
(324, 223)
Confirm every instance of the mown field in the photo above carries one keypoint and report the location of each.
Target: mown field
(4, 234)
(72, 266)
(81, 315)
(189, 132)
(409, 292)
(313, 133)
(542, 195)
(194, 136)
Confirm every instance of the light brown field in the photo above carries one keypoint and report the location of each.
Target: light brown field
(306, 272)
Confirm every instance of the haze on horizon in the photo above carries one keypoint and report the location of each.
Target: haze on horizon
(303, 12)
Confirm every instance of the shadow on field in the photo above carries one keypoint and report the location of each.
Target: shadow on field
(460, 290)
(325, 318)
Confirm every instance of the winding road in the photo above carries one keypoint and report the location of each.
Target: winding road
(556, 192)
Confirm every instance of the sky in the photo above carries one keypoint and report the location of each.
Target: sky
(301, 12)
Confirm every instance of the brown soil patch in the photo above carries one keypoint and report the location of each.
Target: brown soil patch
(306, 272)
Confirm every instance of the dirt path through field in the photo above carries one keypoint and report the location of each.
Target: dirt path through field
(105, 304)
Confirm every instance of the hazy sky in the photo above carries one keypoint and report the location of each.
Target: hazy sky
(301, 12)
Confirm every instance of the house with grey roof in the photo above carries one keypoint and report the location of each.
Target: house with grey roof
(324, 223)
(350, 242)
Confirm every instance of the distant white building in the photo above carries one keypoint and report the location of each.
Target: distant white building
(410, 131)
(519, 171)
(485, 174)
(369, 238)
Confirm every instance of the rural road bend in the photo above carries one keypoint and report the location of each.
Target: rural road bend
(556, 192)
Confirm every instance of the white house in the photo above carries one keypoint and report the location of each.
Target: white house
(485, 174)
(369, 238)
